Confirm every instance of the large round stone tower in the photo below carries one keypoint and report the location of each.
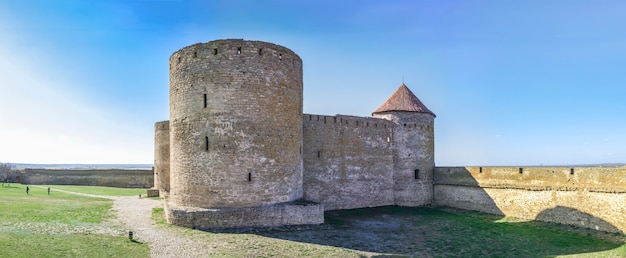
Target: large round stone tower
(414, 147)
(236, 135)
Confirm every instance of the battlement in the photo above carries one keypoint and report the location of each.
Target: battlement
(235, 50)
(347, 120)
(163, 125)
(594, 179)
(591, 197)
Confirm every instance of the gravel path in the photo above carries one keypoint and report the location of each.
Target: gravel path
(134, 215)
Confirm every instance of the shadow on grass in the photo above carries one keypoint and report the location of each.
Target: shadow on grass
(135, 241)
(577, 218)
(396, 230)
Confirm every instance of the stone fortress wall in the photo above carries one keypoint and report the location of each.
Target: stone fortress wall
(348, 161)
(591, 197)
(242, 153)
(93, 177)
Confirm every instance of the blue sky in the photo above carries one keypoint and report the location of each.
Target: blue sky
(511, 82)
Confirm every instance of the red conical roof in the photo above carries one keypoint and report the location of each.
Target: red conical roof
(403, 100)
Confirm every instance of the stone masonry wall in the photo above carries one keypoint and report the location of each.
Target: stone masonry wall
(235, 124)
(105, 177)
(162, 157)
(348, 161)
(413, 156)
(291, 213)
(591, 197)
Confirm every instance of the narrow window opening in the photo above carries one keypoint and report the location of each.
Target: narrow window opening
(205, 103)
(239, 51)
(404, 124)
(215, 51)
(249, 177)
(179, 60)
(319, 154)
(260, 51)
(417, 174)
(335, 120)
(195, 54)
(571, 171)
(206, 143)
(521, 170)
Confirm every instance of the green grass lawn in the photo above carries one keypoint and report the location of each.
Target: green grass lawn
(66, 225)
(413, 232)
(59, 225)
(101, 190)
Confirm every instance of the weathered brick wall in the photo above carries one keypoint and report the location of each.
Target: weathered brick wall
(592, 197)
(104, 177)
(162, 156)
(414, 156)
(235, 124)
(348, 161)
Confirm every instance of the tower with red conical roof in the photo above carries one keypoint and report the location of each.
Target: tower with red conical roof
(413, 139)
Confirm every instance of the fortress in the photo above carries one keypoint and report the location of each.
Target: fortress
(238, 151)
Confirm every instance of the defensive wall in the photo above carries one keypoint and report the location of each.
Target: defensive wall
(590, 197)
(104, 177)
(238, 151)
(348, 161)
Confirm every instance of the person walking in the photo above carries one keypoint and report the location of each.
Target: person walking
(48, 190)
(27, 189)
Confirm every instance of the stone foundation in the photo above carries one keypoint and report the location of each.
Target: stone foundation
(153, 192)
(290, 213)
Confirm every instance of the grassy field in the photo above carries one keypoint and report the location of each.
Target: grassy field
(59, 225)
(414, 232)
(65, 225)
(100, 190)
(447, 232)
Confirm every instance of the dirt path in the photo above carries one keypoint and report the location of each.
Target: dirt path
(134, 214)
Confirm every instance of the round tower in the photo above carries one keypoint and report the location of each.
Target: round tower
(162, 157)
(235, 125)
(413, 141)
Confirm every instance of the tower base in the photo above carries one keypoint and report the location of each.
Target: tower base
(280, 214)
